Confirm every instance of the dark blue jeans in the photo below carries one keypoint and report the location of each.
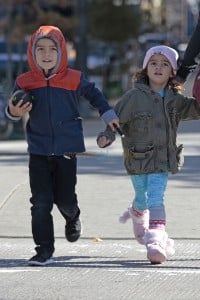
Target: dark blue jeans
(52, 181)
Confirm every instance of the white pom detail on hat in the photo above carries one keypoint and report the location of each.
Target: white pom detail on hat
(170, 53)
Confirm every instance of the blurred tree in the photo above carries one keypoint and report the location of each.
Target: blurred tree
(81, 35)
(61, 13)
(109, 22)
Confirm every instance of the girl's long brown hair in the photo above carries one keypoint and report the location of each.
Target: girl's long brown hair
(141, 75)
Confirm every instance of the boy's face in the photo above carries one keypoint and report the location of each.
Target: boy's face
(46, 54)
(159, 70)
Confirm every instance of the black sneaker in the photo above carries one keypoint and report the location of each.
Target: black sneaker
(73, 230)
(38, 260)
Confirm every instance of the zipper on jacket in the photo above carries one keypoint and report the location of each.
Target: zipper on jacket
(168, 132)
(50, 119)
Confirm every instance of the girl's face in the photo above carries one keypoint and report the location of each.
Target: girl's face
(46, 54)
(159, 71)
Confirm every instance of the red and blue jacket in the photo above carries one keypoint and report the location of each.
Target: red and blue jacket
(55, 126)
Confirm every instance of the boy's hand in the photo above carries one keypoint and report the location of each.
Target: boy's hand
(103, 141)
(18, 110)
(113, 124)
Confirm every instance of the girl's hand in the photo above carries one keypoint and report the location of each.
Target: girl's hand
(103, 141)
(18, 110)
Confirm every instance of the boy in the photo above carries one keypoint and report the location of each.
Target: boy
(54, 135)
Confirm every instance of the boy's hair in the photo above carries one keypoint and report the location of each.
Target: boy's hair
(49, 38)
(141, 75)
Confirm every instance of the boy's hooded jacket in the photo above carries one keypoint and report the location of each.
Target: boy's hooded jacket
(54, 126)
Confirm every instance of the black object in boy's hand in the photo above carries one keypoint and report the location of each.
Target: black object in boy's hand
(119, 131)
(21, 95)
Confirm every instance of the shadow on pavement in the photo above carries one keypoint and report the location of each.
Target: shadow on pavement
(99, 262)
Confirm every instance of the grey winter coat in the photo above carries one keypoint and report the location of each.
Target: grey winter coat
(150, 124)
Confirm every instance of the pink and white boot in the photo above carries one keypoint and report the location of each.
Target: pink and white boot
(124, 217)
(170, 249)
(140, 222)
(158, 245)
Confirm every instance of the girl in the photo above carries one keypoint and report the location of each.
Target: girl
(149, 115)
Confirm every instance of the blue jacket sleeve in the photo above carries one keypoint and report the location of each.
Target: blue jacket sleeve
(96, 99)
(7, 113)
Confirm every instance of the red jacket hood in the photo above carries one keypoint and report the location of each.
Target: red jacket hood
(56, 35)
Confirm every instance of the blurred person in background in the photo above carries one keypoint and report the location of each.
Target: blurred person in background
(190, 59)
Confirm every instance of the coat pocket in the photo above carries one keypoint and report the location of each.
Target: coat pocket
(141, 122)
(138, 162)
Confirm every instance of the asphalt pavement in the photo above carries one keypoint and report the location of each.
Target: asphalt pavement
(107, 262)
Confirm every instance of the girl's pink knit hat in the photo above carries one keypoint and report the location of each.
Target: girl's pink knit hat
(170, 53)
